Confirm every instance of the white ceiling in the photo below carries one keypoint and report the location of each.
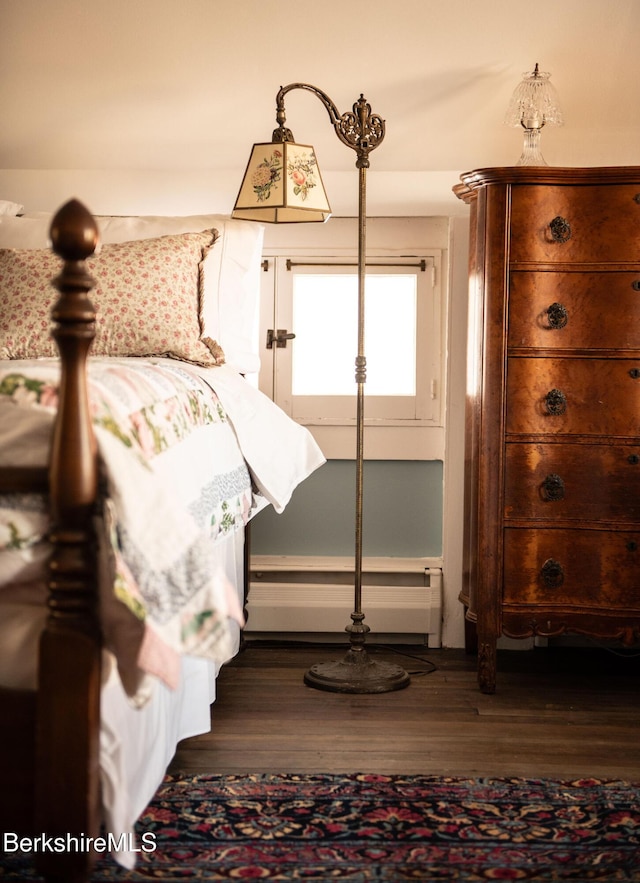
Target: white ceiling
(189, 85)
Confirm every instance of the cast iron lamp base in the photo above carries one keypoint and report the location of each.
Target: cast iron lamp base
(356, 672)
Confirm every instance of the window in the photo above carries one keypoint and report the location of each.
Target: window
(310, 301)
(318, 298)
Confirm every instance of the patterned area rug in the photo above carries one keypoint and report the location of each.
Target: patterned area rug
(382, 828)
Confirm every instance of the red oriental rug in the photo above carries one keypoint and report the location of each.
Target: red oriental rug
(360, 828)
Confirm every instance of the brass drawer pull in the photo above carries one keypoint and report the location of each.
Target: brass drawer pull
(556, 402)
(552, 488)
(557, 315)
(560, 229)
(552, 573)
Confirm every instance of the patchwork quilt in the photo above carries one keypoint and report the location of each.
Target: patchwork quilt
(176, 481)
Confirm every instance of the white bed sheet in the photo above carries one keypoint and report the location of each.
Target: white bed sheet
(279, 452)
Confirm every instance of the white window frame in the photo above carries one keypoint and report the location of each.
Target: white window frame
(393, 436)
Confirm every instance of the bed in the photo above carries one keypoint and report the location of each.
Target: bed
(133, 454)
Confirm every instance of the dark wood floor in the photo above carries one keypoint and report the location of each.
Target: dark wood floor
(557, 712)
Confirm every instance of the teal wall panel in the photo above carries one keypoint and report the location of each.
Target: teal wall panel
(402, 504)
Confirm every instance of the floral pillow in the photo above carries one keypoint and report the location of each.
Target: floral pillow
(148, 297)
(232, 270)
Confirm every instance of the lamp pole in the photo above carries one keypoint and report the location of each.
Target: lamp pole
(362, 131)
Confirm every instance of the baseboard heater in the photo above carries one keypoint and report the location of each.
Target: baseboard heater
(290, 596)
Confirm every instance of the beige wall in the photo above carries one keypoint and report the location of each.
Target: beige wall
(170, 94)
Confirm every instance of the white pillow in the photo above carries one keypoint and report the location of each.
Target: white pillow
(10, 208)
(24, 232)
(231, 270)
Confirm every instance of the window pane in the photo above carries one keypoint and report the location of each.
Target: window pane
(325, 319)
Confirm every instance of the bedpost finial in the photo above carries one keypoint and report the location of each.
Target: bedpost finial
(74, 232)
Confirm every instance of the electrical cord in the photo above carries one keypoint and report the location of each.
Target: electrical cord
(621, 654)
(371, 648)
(393, 649)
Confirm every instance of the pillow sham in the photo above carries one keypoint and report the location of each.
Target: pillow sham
(148, 297)
(231, 291)
(231, 276)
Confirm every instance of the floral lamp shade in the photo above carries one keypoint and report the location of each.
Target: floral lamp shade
(282, 184)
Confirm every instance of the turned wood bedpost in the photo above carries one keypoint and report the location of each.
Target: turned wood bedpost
(67, 755)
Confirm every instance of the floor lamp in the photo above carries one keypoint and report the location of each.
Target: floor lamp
(282, 184)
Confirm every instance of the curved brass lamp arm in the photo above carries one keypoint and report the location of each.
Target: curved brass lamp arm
(358, 128)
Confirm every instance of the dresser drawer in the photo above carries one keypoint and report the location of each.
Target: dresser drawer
(577, 396)
(574, 310)
(580, 568)
(586, 483)
(602, 223)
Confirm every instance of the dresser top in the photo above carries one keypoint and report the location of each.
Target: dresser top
(473, 181)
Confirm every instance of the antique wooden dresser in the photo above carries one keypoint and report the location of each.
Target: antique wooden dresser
(552, 533)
